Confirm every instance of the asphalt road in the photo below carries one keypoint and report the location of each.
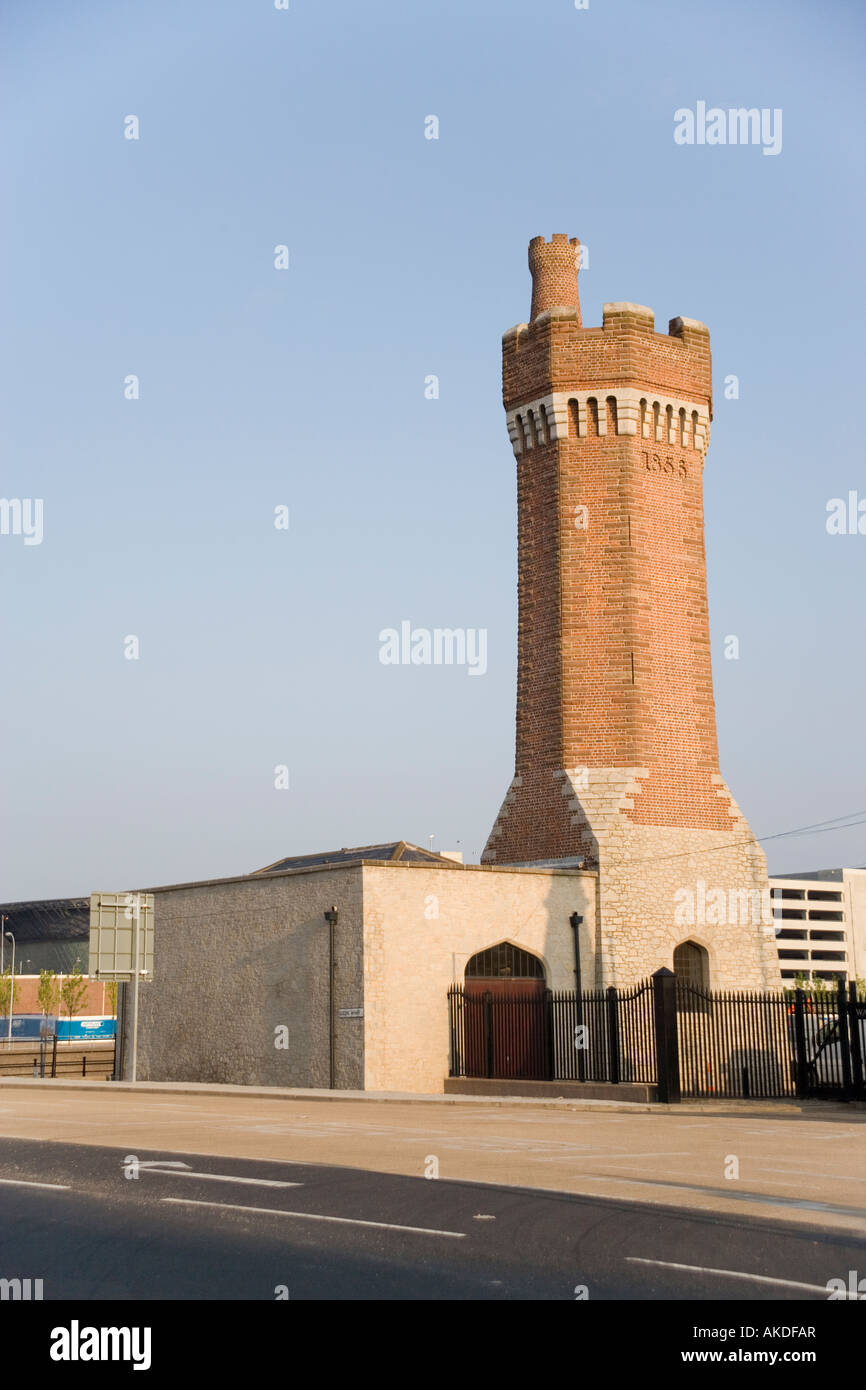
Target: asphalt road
(231, 1228)
(770, 1162)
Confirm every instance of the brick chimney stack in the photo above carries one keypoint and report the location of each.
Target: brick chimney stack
(554, 265)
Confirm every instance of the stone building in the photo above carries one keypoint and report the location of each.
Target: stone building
(618, 836)
(253, 984)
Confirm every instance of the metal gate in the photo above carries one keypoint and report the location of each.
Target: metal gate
(701, 1044)
(537, 1034)
(829, 1044)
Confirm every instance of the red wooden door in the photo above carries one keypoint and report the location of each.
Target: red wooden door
(505, 1037)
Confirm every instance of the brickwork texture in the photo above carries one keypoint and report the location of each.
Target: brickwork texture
(617, 763)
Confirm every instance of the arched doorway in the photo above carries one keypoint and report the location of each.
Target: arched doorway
(504, 991)
(692, 969)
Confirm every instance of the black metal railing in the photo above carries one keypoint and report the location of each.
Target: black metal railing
(598, 1035)
(45, 1058)
(733, 1044)
(681, 1039)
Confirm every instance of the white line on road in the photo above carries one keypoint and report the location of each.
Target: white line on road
(160, 1163)
(731, 1274)
(314, 1216)
(217, 1177)
(19, 1182)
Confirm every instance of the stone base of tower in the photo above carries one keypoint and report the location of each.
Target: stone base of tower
(659, 886)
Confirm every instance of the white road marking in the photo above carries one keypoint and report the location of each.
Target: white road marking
(732, 1274)
(314, 1216)
(251, 1182)
(160, 1163)
(19, 1182)
(181, 1171)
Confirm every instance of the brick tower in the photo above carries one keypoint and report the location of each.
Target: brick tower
(617, 757)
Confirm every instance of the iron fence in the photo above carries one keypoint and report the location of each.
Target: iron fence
(597, 1035)
(734, 1044)
(684, 1040)
(45, 1058)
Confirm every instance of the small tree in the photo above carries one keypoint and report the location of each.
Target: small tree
(5, 993)
(799, 982)
(73, 992)
(48, 992)
(10, 989)
(111, 996)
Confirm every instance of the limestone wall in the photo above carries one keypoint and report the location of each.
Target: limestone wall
(421, 925)
(662, 885)
(236, 960)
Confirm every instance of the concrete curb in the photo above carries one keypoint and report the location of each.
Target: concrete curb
(813, 1109)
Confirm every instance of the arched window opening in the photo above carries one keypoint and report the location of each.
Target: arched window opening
(504, 962)
(692, 965)
(592, 415)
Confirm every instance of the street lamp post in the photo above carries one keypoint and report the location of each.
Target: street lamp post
(136, 980)
(331, 918)
(11, 938)
(576, 922)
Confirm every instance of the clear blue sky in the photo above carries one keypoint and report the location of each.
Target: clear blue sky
(306, 387)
